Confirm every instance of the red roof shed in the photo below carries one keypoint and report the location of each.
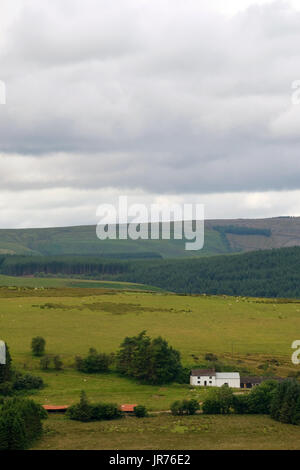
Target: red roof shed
(128, 408)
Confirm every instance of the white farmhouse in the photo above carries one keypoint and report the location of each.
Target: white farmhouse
(211, 378)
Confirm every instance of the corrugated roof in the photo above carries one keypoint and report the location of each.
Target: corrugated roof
(227, 375)
(203, 372)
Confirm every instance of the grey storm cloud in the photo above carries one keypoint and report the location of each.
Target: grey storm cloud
(163, 96)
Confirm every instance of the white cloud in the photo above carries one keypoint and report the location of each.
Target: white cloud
(167, 97)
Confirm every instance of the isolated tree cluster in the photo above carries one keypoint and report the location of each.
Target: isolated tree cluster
(148, 360)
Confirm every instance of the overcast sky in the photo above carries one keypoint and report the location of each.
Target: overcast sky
(161, 100)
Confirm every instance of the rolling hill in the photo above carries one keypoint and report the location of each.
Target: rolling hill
(221, 237)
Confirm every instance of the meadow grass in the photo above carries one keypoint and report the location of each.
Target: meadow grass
(52, 282)
(171, 432)
(242, 332)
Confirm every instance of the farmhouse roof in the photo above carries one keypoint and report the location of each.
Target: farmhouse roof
(203, 372)
(227, 375)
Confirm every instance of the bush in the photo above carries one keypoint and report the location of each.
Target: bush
(189, 407)
(285, 404)
(258, 401)
(58, 364)
(85, 411)
(20, 423)
(38, 346)
(220, 401)
(211, 406)
(260, 397)
(211, 357)
(94, 362)
(105, 411)
(27, 382)
(176, 408)
(45, 362)
(241, 404)
(140, 411)
(12, 431)
(183, 376)
(6, 389)
(81, 411)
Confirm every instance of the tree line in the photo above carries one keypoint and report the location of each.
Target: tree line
(264, 273)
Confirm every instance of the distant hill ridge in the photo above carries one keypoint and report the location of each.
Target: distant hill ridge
(221, 236)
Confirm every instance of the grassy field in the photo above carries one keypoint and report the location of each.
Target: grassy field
(36, 282)
(170, 432)
(244, 333)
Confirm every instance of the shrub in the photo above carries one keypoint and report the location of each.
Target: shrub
(6, 389)
(45, 362)
(12, 431)
(38, 346)
(241, 404)
(176, 408)
(20, 423)
(82, 411)
(220, 401)
(105, 411)
(140, 411)
(285, 404)
(211, 406)
(58, 364)
(94, 362)
(183, 376)
(260, 397)
(211, 357)
(188, 407)
(191, 406)
(27, 382)
(85, 411)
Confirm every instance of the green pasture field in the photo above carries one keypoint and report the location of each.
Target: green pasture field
(36, 282)
(244, 333)
(170, 432)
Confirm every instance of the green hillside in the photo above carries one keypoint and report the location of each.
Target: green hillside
(83, 240)
(46, 283)
(265, 273)
(221, 236)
